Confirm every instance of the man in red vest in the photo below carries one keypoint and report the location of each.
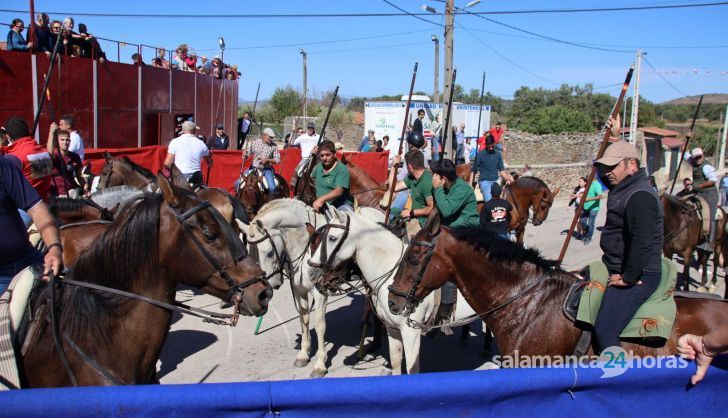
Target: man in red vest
(35, 160)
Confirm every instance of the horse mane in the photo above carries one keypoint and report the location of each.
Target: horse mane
(675, 201)
(529, 181)
(284, 203)
(128, 249)
(64, 204)
(139, 169)
(112, 196)
(500, 250)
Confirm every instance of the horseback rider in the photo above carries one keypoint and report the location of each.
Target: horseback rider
(186, 152)
(307, 142)
(419, 182)
(16, 253)
(704, 180)
(631, 240)
(265, 152)
(489, 163)
(415, 141)
(331, 179)
(457, 206)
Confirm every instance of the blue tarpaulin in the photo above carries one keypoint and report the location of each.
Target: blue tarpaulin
(558, 392)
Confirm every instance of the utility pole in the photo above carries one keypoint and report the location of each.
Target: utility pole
(305, 87)
(721, 162)
(437, 69)
(449, 26)
(635, 99)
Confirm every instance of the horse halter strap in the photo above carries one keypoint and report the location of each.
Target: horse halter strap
(329, 258)
(411, 300)
(236, 289)
(280, 260)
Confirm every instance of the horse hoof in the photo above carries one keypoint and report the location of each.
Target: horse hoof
(386, 372)
(318, 373)
(301, 363)
(712, 289)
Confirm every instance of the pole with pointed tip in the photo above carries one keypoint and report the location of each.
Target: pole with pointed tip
(687, 142)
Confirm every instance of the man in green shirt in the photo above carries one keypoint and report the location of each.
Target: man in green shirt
(332, 179)
(455, 201)
(591, 208)
(419, 182)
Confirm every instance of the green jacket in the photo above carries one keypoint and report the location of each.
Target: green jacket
(457, 206)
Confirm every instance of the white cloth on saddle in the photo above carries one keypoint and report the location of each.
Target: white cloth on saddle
(703, 213)
(12, 308)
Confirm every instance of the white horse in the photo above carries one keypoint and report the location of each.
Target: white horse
(378, 254)
(279, 237)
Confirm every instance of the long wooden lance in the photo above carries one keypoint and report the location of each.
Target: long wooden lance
(310, 165)
(607, 131)
(446, 128)
(480, 112)
(41, 99)
(401, 144)
(687, 142)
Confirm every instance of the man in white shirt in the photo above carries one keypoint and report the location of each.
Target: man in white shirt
(306, 141)
(66, 124)
(186, 152)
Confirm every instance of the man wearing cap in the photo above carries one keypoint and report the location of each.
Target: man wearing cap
(265, 152)
(704, 180)
(489, 163)
(186, 152)
(631, 241)
(220, 140)
(306, 142)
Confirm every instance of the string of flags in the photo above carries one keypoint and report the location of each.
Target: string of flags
(694, 71)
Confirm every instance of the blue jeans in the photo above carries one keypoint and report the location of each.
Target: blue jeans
(8, 271)
(723, 197)
(460, 154)
(485, 186)
(398, 204)
(270, 177)
(587, 219)
(435, 148)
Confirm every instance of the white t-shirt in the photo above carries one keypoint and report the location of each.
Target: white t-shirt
(307, 143)
(188, 150)
(76, 144)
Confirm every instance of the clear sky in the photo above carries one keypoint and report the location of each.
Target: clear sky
(370, 56)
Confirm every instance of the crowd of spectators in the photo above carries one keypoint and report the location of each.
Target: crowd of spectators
(46, 33)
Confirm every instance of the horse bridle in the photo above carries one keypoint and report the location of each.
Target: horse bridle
(281, 260)
(234, 294)
(529, 207)
(411, 301)
(328, 264)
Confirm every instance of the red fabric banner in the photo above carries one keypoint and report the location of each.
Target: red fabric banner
(226, 164)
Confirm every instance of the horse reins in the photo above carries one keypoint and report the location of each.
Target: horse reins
(328, 264)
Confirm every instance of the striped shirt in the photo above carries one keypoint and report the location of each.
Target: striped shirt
(260, 150)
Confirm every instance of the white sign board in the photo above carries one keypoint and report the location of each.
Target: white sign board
(386, 118)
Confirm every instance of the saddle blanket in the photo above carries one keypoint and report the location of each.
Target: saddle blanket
(654, 319)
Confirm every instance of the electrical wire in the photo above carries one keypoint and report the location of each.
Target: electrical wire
(663, 78)
(332, 15)
(413, 15)
(522, 68)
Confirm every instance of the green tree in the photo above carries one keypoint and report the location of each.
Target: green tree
(285, 101)
(554, 120)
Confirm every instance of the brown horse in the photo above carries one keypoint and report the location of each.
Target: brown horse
(363, 188)
(79, 237)
(252, 195)
(157, 242)
(518, 293)
(683, 232)
(720, 246)
(123, 171)
(528, 194)
(68, 211)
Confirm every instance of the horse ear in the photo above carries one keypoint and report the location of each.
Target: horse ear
(434, 225)
(310, 229)
(107, 156)
(343, 158)
(555, 192)
(167, 190)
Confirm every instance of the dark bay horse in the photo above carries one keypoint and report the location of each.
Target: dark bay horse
(720, 247)
(518, 293)
(68, 211)
(528, 194)
(78, 237)
(363, 187)
(683, 232)
(155, 243)
(253, 194)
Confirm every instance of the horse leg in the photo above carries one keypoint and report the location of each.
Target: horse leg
(301, 297)
(687, 260)
(319, 366)
(411, 341)
(395, 351)
(464, 334)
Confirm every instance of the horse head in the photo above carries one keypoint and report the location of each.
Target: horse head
(250, 194)
(266, 247)
(203, 251)
(414, 280)
(335, 244)
(541, 203)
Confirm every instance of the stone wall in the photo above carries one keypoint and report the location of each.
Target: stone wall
(526, 148)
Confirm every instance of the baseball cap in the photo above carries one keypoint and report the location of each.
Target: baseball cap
(269, 132)
(339, 145)
(220, 126)
(310, 125)
(697, 152)
(617, 152)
